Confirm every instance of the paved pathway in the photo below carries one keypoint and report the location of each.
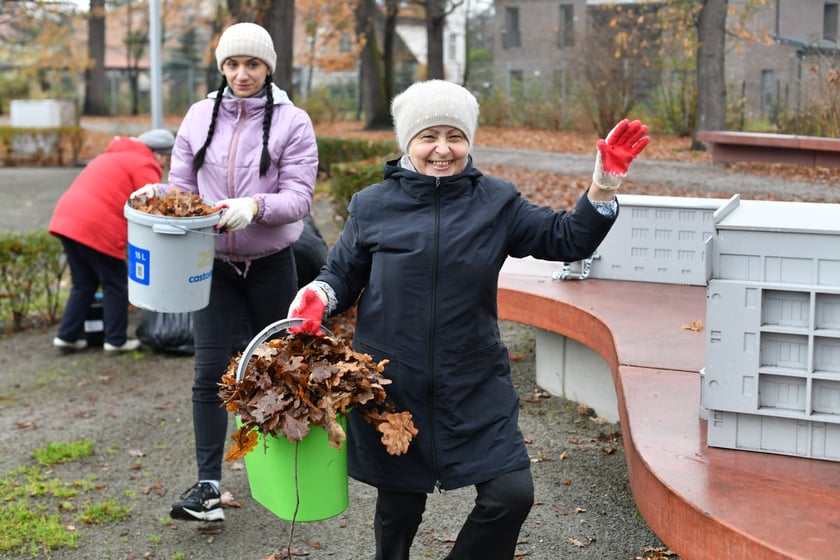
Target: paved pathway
(690, 176)
(28, 194)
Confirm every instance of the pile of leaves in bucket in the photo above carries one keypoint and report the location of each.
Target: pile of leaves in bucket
(174, 203)
(301, 380)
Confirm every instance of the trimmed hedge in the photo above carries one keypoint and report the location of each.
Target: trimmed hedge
(352, 164)
(32, 267)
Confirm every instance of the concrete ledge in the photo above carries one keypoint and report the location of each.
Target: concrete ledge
(733, 147)
(705, 503)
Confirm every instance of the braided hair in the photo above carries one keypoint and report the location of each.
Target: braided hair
(265, 157)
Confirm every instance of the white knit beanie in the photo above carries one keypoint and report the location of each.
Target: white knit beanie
(246, 39)
(433, 103)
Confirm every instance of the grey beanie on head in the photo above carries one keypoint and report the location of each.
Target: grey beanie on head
(433, 103)
(246, 39)
(158, 140)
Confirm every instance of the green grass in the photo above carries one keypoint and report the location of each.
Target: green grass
(60, 452)
(103, 512)
(38, 508)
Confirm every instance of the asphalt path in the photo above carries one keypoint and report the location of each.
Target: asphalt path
(28, 194)
(696, 177)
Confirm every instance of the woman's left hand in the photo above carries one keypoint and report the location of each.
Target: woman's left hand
(615, 153)
(239, 213)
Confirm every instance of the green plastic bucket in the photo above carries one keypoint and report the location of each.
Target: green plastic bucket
(170, 260)
(311, 479)
(316, 479)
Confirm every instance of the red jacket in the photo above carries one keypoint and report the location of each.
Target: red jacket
(91, 210)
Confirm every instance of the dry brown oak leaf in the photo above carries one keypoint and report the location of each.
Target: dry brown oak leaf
(292, 383)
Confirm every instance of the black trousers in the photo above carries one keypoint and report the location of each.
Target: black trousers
(90, 269)
(489, 533)
(265, 293)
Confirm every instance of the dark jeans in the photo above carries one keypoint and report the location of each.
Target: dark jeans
(90, 269)
(490, 532)
(264, 291)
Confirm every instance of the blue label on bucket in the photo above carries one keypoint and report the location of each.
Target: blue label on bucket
(138, 264)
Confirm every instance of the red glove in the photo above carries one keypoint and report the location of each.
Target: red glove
(615, 154)
(307, 305)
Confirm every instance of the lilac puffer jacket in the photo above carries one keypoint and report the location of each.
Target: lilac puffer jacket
(231, 168)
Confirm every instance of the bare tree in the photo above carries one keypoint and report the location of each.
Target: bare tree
(389, 33)
(95, 71)
(135, 46)
(436, 12)
(711, 81)
(372, 81)
(279, 20)
(613, 66)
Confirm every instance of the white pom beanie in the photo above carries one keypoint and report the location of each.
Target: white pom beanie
(246, 39)
(433, 103)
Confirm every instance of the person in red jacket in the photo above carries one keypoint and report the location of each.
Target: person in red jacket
(89, 221)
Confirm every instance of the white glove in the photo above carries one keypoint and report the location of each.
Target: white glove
(239, 213)
(149, 190)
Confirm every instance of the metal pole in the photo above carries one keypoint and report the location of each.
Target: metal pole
(155, 66)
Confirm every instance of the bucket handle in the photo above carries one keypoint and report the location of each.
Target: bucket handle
(265, 334)
(174, 229)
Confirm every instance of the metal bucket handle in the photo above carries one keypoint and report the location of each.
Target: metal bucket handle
(175, 229)
(265, 334)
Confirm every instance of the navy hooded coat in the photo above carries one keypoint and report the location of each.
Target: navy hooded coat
(422, 255)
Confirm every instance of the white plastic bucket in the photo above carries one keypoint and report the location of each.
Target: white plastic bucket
(170, 260)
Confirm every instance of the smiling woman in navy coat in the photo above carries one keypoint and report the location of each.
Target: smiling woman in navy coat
(420, 255)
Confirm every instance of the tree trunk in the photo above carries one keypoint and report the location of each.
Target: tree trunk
(95, 74)
(389, 33)
(237, 11)
(435, 22)
(711, 77)
(467, 41)
(280, 23)
(377, 113)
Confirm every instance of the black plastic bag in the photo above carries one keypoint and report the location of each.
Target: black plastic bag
(167, 332)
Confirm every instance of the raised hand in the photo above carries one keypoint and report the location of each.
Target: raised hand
(615, 153)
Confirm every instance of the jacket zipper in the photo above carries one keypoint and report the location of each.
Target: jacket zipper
(432, 332)
(234, 144)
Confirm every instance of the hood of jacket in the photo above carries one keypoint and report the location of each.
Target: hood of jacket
(279, 96)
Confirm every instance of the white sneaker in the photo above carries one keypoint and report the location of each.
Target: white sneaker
(128, 346)
(65, 346)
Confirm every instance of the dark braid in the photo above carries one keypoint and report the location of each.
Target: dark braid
(265, 159)
(198, 160)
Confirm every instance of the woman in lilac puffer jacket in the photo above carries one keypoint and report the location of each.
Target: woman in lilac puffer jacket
(249, 150)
